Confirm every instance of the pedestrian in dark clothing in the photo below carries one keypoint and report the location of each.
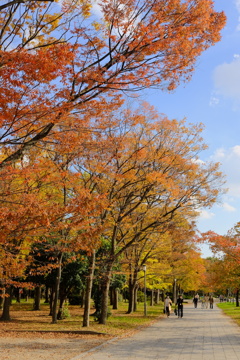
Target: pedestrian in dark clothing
(180, 306)
(195, 300)
(211, 301)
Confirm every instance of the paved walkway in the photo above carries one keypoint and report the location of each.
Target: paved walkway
(202, 334)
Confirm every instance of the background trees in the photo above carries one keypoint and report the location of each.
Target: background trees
(227, 262)
(79, 171)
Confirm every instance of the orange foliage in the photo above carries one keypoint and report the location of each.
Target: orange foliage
(51, 64)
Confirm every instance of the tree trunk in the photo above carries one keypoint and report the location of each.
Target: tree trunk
(88, 292)
(2, 292)
(131, 295)
(115, 299)
(60, 309)
(46, 301)
(51, 301)
(37, 298)
(133, 289)
(152, 298)
(18, 295)
(157, 297)
(6, 305)
(111, 295)
(135, 298)
(82, 297)
(56, 290)
(237, 298)
(105, 292)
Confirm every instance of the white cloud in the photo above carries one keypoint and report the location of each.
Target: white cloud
(96, 9)
(236, 150)
(228, 207)
(227, 79)
(198, 161)
(219, 154)
(230, 166)
(204, 214)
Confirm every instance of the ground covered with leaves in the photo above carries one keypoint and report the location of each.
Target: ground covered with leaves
(31, 335)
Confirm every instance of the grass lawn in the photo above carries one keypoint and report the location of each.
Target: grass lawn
(118, 324)
(231, 310)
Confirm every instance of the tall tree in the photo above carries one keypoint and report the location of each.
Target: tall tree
(58, 56)
(148, 174)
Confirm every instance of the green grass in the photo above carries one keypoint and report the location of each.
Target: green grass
(231, 310)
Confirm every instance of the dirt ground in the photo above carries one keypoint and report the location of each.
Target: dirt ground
(45, 346)
(29, 337)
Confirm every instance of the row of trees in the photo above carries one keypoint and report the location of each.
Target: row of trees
(224, 268)
(85, 174)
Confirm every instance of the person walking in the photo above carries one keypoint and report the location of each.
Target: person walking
(180, 306)
(211, 301)
(167, 306)
(195, 300)
(206, 299)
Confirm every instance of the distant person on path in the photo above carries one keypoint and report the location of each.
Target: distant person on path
(167, 306)
(180, 306)
(195, 300)
(206, 298)
(211, 301)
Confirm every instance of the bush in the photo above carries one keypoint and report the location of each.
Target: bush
(140, 296)
(97, 315)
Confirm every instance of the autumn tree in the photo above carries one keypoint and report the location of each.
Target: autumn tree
(152, 251)
(60, 61)
(56, 57)
(227, 247)
(149, 173)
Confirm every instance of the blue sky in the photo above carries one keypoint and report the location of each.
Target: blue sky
(212, 97)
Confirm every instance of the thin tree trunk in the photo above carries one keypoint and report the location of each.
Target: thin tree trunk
(237, 298)
(51, 301)
(152, 298)
(82, 295)
(56, 290)
(131, 294)
(88, 291)
(135, 297)
(111, 295)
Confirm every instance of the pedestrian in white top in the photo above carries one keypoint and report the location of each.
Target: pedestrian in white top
(167, 306)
